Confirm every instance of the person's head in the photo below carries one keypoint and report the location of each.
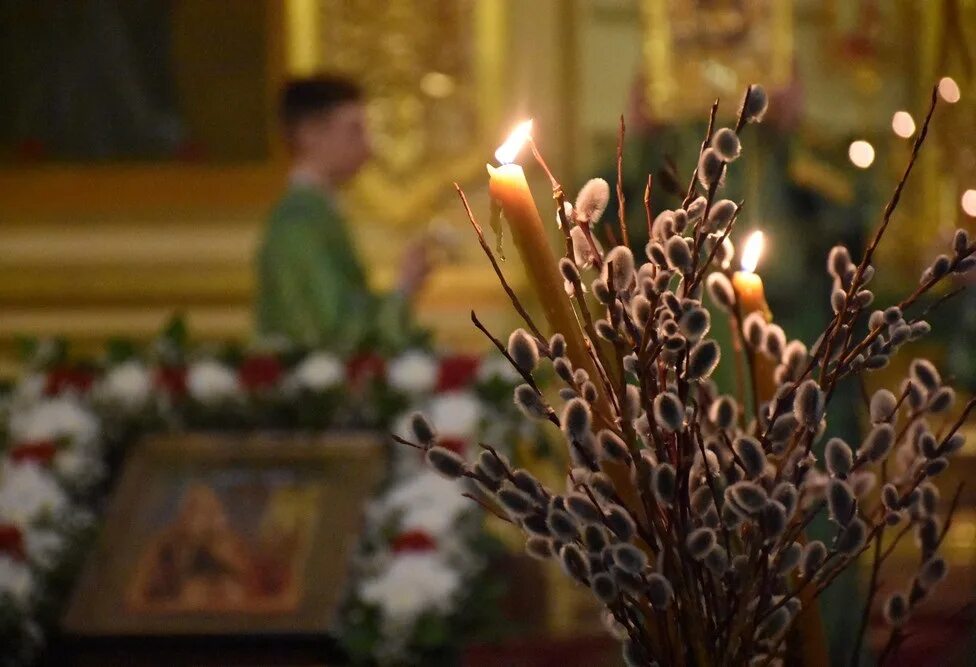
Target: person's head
(324, 121)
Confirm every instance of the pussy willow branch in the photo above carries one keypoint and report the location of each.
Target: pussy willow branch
(621, 210)
(907, 303)
(529, 380)
(894, 639)
(872, 582)
(689, 196)
(498, 272)
(584, 312)
(873, 245)
(785, 399)
(647, 205)
(700, 274)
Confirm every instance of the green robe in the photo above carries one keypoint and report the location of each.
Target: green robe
(312, 288)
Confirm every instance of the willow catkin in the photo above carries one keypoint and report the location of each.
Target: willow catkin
(446, 462)
(808, 404)
(592, 201)
(576, 419)
(726, 144)
(422, 429)
(669, 412)
(838, 457)
(659, 591)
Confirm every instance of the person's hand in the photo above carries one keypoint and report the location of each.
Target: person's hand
(414, 268)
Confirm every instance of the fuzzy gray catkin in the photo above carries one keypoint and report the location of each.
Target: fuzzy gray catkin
(838, 457)
(720, 290)
(723, 412)
(576, 419)
(446, 462)
(523, 350)
(710, 168)
(592, 201)
(422, 429)
(883, 404)
(703, 359)
(925, 374)
(669, 412)
(726, 144)
(808, 404)
(878, 443)
(840, 501)
(700, 541)
(663, 483)
(751, 455)
(659, 591)
(814, 554)
(530, 402)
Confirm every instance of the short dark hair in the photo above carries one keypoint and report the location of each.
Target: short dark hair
(308, 96)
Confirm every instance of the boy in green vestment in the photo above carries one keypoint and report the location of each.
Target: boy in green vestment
(311, 286)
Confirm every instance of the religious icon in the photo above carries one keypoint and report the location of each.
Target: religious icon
(223, 535)
(236, 542)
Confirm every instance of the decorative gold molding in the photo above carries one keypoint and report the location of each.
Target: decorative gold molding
(696, 51)
(433, 72)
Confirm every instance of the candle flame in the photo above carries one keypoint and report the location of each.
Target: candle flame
(507, 152)
(753, 249)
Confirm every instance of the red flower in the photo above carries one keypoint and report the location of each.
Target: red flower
(171, 379)
(40, 451)
(65, 378)
(457, 372)
(412, 541)
(12, 541)
(260, 372)
(364, 367)
(456, 445)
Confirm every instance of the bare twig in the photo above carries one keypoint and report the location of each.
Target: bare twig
(621, 206)
(498, 272)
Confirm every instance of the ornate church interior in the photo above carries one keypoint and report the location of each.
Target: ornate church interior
(488, 332)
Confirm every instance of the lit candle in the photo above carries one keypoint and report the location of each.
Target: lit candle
(751, 298)
(509, 188)
(748, 285)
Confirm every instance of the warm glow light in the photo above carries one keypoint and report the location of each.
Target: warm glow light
(903, 124)
(949, 89)
(507, 152)
(861, 153)
(753, 249)
(969, 202)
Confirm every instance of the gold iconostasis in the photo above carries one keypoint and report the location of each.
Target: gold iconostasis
(107, 238)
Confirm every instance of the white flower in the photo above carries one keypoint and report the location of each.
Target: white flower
(43, 546)
(211, 382)
(414, 583)
(127, 385)
(413, 372)
(497, 367)
(30, 388)
(81, 468)
(15, 579)
(61, 417)
(319, 371)
(27, 492)
(455, 414)
(427, 502)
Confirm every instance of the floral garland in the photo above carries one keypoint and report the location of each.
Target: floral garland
(65, 426)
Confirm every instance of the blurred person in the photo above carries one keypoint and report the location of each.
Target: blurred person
(312, 288)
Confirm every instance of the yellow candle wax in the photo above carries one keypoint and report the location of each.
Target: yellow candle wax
(751, 298)
(507, 186)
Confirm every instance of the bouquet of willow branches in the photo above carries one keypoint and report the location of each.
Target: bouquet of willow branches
(685, 509)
